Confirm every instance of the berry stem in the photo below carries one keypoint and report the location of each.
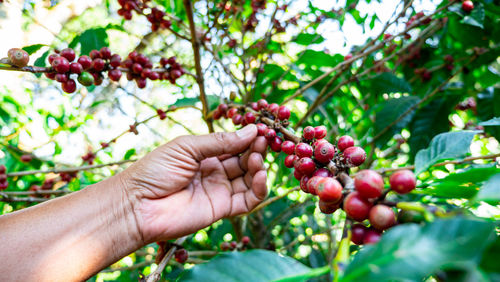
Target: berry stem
(156, 275)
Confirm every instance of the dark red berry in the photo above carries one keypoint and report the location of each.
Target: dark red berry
(237, 119)
(308, 133)
(18, 57)
(273, 108)
(249, 118)
(68, 53)
(358, 232)
(154, 75)
(345, 142)
(303, 150)
(290, 160)
(69, 86)
(85, 61)
(312, 184)
(323, 172)
(231, 112)
(328, 207)
(245, 240)
(222, 107)
(371, 237)
(61, 77)
(329, 190)
(347, 57)
(98, 64)
(105, 53)
(137, 68)
(61, 65)
(3, 169)
(297, 174)
(114, 74)
(181, 255)
(283, 113)
(324, 152)
(4, 185)
(355, 156)
(26, 158)
(467, 6)
(146, 73)
(94, 54)
(320, 132)
(305, 166)
(261, 128)
(254, 106)
(141, 82)
(224, 246)
(115, 61)
(369, 183)
(403, 181)
(275, 144)
(127, 63)
(357, 207)
(270, 133)
(303, 183)
(233, 245)
(382, 217)
(288, 147)
(262, 103)
(76, 68)
(217, 114)
(52, 57)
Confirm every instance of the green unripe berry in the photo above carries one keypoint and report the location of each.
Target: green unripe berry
(86, 79)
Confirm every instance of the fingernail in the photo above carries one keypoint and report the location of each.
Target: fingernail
(245, 131)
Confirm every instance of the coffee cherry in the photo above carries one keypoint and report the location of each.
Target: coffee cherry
(98, 64)
(222, 107)
(303, 150)
(237, 119)
(26, 158)
(86, 79)
(405, 216)
(105, 53)
(273, 108)
(347, 57)
(3, 169)
(3, 177)
(323, 172)
(355, 156)
(245, 240)
(85, 61)
(303, 183)
(305, 166)
(283, 113)
(181, 255)
(114, 74)
(249, 118)
(61, 77)
(308, 133)
(403, 181)
(262, 103)
(345, 142)
(382, 217)
(270, 133)
(146, 73)
(371, 236)
(312, 184)
(320, 132)
(357, 207)
(75, 68)
(141, 82)
(290, 159)
(369, 184)
(94, 54)
(136, 68)
(154, 75)
(233, 245)
(69, 54)
(324, 152)
(231, 112)
(115, 61)
(467, 6)
(61, 65)
(297, 174)
(261, 128)
(69, 86)
(224, 246)
(327, 208)
(52, 57)
(358, 232)
(329, 190)
(288, 147)
(18, 57)
(4, 185)
(275, 144)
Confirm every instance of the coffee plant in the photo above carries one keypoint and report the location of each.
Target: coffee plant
(382, 122)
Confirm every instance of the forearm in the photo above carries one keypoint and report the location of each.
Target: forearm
(69, 238)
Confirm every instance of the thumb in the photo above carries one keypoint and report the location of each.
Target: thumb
(219, 143)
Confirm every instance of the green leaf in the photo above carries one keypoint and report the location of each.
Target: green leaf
(390, 111)
(93, 38)
(306, 276)
(444, 146)
(129, 154)
(40, 62)
(255, 265)
(476, 16)
(186, 102)
(491, 122)
(33, 48)
(389, 83)
(421, 250)
(307, 39)
(490, 192)
(318, 58)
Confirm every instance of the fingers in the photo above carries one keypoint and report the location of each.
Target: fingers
(237, 166)
(259, 146)
(219, 143)
(242, 184)
(246, 201)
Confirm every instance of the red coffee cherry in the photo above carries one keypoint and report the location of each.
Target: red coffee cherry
(305, 166)
(372, 236)
(105, 53)
(345, 142)
(355, 156)
(347, 57)
(76, 68)
(249, 118)
(3, 169)
(329, 190)
(275, 144)
(290, 160)
(237, 119)
(283, 113)
(98, 64)
(308, 133)
(136, 68)
(52, 57)
(261, 128)
(320, 132)
(297, 174)
(245, 240)
(357, 207)
(233, 245)
(273, 108)
(26, 158)
(114, 74)
(181, 255)
(312, 184)
(69, 54)
(358, 232)
(224, 246)
(223, 108)
(403, 181)
(231, 112)
(369, 184)
(94, 54)
(69, 86)
(4, 185)
(270, 133)
(288, 147)
(60, 65)
(85, 61)
(324, 152)
(262, 104)
(254, 106)
(327, 208)
(382, 217)
(217, 114)
(18, 57)
(61, 77)
(323, 172)
(146, 73)
(303, 183)
(303, 150)
(467, 6)
(115, 61)
(154, 75)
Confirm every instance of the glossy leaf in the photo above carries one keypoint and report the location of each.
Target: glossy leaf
(490, 192)
(389, 83)
(307, 39)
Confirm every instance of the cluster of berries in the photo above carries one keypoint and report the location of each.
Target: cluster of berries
(46, 185)
(181, 255)
(233, 245)
(156, 17)
(3, 178)
(469, 104)
(252, 20)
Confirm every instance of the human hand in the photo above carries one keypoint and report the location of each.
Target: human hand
(193, 181)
